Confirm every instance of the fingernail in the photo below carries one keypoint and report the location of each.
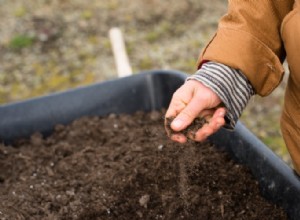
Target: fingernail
(175, 137)
(177, 124)
(178, 138)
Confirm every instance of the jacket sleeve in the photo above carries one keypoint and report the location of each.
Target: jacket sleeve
(248, 39)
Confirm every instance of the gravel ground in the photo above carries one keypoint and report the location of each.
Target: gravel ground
(48, 46)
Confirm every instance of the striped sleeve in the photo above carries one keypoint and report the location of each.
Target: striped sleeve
(230, 85)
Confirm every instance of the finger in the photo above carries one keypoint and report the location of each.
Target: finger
(207, 130)
(179, 101)
(175, 107)
(215, 123)
(207, 114)
(203, 133)
(218, 120)
(180, 138)
(187, 115)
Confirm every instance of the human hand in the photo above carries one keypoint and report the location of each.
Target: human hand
(192, 100)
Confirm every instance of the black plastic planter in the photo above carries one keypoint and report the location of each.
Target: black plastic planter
(149, 91)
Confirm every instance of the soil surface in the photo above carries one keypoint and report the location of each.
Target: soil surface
(124, 167)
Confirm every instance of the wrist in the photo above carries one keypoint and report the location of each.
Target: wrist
(231, 86)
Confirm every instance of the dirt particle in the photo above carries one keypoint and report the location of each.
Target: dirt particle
(144, 200)
(160, 147)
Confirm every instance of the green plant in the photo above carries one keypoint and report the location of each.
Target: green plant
(21, 41)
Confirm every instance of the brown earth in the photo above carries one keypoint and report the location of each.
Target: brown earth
(124, 167)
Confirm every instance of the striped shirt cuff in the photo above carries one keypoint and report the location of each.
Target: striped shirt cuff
(230, 85)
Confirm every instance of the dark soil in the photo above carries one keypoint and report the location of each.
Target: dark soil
(189, 131)
(124, 167)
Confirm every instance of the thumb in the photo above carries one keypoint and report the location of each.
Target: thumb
(187, 115)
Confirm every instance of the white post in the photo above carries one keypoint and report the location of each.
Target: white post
(119, 51)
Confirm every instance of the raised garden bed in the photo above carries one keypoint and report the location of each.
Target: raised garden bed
(114, 167)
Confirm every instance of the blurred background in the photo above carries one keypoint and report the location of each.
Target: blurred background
(52, 45)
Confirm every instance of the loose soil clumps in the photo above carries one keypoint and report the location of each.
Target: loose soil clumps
(124, 167)
(189, 131)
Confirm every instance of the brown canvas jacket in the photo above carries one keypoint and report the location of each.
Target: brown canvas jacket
(249, 39)
(255, 36)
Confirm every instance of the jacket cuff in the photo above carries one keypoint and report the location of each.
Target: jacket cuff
(243, 51)
(230, 85)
